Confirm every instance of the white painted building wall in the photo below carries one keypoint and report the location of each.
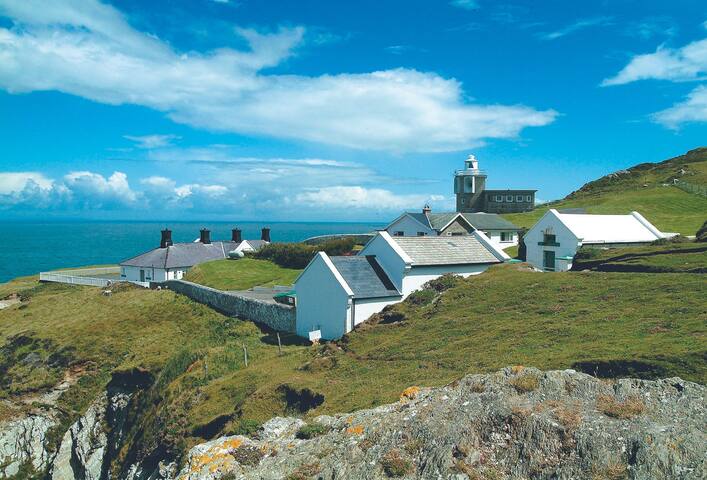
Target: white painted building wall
(365, 307)
(322, 302)
(568, 242)
(495, 236)
(416, 277)
(393, 262)
(151, 274)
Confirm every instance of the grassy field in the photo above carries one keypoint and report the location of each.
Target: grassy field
(241, 274)
(642, 188)
(690, 257)
(506, 316)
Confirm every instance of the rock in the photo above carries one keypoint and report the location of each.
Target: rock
(82, 450)
(516, 423)
(22, 443)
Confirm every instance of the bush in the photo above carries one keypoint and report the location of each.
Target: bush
(588, 253)
(298, 255)
(701, 234)
(443, 283)
(421, 297)
(311, 430)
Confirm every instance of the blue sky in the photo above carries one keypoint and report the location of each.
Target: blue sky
(319, 110)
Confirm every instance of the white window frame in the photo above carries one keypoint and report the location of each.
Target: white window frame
(509, 198)
(528, 198)
(499, 198)
(519, 198)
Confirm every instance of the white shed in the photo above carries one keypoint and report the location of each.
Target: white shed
(553, 241)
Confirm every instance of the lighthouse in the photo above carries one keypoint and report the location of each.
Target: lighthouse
(469, 185)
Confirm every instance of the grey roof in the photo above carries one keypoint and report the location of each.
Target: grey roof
(440, 220)
(489, 221)
(257, 244)
(420, 217)
(443, 250)
(181, 255)
(365, 276)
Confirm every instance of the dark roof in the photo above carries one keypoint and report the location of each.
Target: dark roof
(181, 255)
(420, 217)
(365, 276)
(511, 191)
(461, 250)
(440, 220)
(489, 221)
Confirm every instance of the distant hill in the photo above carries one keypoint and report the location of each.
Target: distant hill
(647, 188)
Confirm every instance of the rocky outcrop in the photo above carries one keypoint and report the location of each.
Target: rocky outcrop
(517, 423)
(22, 443)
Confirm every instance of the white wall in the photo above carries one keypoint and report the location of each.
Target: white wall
(418, 276)
(322, 303)
(365, 307)
(495, 236)
(388, 258)
(567, 240)
(409, 227)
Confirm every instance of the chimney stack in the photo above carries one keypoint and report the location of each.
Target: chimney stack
(236, 235)
(265, 235)
(426, 209)
(166, 238)
(205, 236)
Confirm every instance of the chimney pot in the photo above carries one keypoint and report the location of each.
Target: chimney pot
(265, 234)
(426, 209)
(205, 236)
(166, 240)
(236, 235)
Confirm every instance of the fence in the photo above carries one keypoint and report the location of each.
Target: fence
(93, 277)
(691, 188)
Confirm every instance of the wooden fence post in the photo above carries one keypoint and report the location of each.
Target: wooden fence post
(279, 344)
(245, 354)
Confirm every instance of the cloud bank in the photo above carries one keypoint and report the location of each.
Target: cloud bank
(87, 48)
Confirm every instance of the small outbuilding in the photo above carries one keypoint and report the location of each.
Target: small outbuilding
(553, 241)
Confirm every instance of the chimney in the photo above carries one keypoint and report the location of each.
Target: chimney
(204, 236)
(236, 235)
(265, 235)
(166, 238)
(426, 209)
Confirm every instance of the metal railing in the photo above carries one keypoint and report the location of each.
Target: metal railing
(92, 277)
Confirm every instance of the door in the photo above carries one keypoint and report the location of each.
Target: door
(549, 260)
(142, 275)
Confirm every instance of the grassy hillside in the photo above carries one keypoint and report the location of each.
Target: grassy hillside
(201, 388)
(241, 274)
(642, 188)
(689, 257)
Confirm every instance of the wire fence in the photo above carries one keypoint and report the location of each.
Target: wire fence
(691, 188)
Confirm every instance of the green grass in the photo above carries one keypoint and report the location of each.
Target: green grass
(506, 316)
(689, 257)
(641, 189)
(241, 274)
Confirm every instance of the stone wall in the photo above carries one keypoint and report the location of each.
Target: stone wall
(274, 315)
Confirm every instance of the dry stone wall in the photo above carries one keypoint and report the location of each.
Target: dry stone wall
(274, 315)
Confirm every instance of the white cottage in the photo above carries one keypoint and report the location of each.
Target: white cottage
(452, 224)
(334, 294)
(553, 241)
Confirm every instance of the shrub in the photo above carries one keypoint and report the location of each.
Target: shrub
(394, 465)
(247, 455)
(525, 383)
(701, 234)
(421, 297)
(443, 283)
(588, 253)
(611, 407)
(298, 255)
(311, 430)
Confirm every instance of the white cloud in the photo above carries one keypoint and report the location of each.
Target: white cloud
(680, 64)
(93, 191)
(357, 197)
(692, 109)
(11, 182)
(88, 49)
(152, 141)
(577, 26)
(465, 4)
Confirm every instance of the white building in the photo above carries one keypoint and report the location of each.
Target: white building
(334, 294)
(553, 241)
(426, 223)
(249, 246)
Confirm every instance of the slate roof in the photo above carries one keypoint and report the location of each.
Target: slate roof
(181, 255)
(440, 220)
(489, 221)
(365, 277)
(443, 250)
(256, 244)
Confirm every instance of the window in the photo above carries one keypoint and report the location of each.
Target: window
(499, 198)
(421, 234)
(398, 234)
(519, 198)
(506, 236)
(457, 234)
(509, 198)
(549, 240)
(528, 198)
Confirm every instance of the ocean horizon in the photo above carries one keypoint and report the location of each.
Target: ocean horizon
(30, 247)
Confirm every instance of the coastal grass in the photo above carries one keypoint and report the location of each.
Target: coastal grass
(509, 315)
(241, 274)
(688, 257)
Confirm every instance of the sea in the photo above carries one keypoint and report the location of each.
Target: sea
(27, 248)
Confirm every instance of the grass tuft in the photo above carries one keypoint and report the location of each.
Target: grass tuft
(629, 408)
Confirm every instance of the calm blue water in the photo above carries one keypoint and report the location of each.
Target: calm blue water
(28, 248)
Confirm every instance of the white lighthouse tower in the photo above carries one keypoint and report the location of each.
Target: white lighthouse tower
(469, 185)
